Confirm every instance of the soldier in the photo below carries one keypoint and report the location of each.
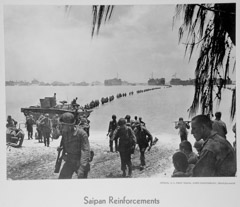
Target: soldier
(46, 129)
(217, 156)
(141, 121)
(29, 124)
(129, 122)
(186, 147)
(181, 166)
(143, 138)
(39, 128)
(127, 141)
(182, 126)
(11, 122)
(76, 147)
(85, 124)
(55, 129)
(111, 129)
(219, 126)
(74, 103)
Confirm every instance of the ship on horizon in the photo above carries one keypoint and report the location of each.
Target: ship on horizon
(113, 82)
(156, 81)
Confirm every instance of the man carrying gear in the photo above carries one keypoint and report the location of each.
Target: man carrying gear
(182, 126)
(76, 148)
(127, 141)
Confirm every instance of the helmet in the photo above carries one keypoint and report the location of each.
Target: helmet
(67, 118)
(122, 122)
(137, 123)
(127, 117)
(114, 116)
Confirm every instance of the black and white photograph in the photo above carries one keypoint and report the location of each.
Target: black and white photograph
(132, 95)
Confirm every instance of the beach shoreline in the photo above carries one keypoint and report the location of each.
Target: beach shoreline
(34, 161)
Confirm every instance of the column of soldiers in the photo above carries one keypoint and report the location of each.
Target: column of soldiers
(216, 156)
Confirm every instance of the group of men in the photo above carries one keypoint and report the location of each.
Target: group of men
(216, 156)
(126, 133)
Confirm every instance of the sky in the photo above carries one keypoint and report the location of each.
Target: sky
(47, 43)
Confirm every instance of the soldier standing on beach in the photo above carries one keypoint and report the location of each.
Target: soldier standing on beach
(46, 129)
(29, 124)
(143, 138)
(76, 147)
(112, 126)
(182, 126)
(39, 128)
(127, 141)
(219, 126)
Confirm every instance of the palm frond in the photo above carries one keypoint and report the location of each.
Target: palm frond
(212, 68)
(100, 12)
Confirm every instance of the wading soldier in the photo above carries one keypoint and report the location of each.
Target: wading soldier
(217, 156)
(76, 148)
(143, 138)
(127, 141)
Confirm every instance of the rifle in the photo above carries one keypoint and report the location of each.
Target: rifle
(59, 159)
(153, 143)
(183, 121)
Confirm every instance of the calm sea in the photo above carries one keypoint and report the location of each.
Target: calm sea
(158, 108)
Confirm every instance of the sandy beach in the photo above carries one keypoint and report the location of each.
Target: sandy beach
(34, 161)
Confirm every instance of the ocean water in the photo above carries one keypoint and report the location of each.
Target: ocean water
(158, 108)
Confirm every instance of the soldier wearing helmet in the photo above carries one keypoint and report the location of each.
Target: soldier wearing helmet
(29, 124)
(127, 141)
(112, 126)
(46, 124)
(76, 147)
(143, 138)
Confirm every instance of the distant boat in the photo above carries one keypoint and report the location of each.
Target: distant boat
(178, 81)
(157, 81)
(113, 82)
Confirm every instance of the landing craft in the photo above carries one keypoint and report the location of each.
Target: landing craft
(49, 105)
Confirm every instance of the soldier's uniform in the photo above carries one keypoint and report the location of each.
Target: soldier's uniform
(46, 129)
(143, 138)
(29, 123)
(127, 141)
(77, 150)
(39, 128)
(111, 129)
(217, 158)
(182, 126)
